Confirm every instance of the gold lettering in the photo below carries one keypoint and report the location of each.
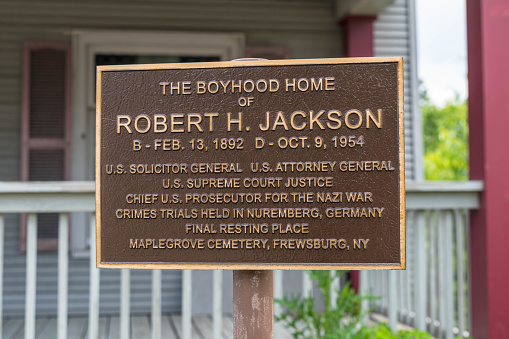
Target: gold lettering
(330, 115)
(317, 85)
(290, 84)
(123, 124)
(347, 121)
(292, 120)
(137, 120)
(196, 123)
(201, 87)
(160, 121)
(280, 121)
(314, 119)
(164, 84)
(234, 121)
(370, 116)
(329, 84)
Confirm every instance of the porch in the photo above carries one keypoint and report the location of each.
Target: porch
(431, 295)
(109, 327)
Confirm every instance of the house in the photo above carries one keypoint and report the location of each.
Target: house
(48, 54)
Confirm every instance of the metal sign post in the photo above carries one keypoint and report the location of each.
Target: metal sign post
(253, 304)
(253, 298)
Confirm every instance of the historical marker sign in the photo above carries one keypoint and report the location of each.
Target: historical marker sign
(291, 164)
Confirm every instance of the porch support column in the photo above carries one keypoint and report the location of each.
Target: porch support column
(488, 71)
(358, 37)
(358, 41)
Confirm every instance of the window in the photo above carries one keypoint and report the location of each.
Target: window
(92, 48)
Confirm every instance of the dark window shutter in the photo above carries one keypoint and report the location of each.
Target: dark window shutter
(47, 93)
(45, 124)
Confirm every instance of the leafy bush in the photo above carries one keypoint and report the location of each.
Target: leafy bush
(343, 321)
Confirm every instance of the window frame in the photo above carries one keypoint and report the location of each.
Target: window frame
(85, 45)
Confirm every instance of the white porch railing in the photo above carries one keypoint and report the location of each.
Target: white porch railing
(432, 294)
(426, 297)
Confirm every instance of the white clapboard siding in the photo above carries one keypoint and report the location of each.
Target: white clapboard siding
(308, 28)
(394, 35)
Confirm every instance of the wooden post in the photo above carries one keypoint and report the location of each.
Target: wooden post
(488, 102)
(253, 305)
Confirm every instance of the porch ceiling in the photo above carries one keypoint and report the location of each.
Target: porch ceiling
(360, 7)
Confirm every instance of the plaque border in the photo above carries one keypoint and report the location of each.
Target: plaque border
(256, 266)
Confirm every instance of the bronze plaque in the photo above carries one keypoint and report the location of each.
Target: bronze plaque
(295, 164)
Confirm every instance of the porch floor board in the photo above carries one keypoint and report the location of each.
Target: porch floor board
(109, 327)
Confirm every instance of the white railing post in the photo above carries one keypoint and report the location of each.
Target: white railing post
(217, 303)
(392, 301)
(277, 294)
(307, 285)
(2, 227)
(420, 271)
(448, 277)
(334, 287)
(93, 305)
(156, 304)
(63, 265)
(125, 303)
(31, 274)
(460, 247)
(364, 292)
(187, 283)
(432, 269)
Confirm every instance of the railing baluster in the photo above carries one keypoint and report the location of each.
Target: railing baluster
(307, 285)
(448, 277)
(93, 305)
(125, 303)
(372, 289)
(441, 270)
(432, 270)
(2, 227)
(420, 271)
(186, 303)
(408, 273)
(278, 294)
(460, 271)
(364, 291)
(63, 273)
(217, 303)
(401, 296)
(468, 250)
(392, 301)
(334, 287)
(31, 273)
(156, 304)
(380, 290)
(385, 289)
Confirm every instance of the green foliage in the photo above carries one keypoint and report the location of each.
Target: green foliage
(340, 321)
(445, 140)
(382, 331)
(343, 321)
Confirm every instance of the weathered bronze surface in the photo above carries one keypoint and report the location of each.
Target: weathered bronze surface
(251, 165)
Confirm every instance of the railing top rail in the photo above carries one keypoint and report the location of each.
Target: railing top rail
(79, 196)
(47, 187)
(50, 196)
(444, 186)
(89, 186)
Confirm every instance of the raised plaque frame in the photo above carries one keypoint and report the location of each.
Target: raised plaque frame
(257, 266)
